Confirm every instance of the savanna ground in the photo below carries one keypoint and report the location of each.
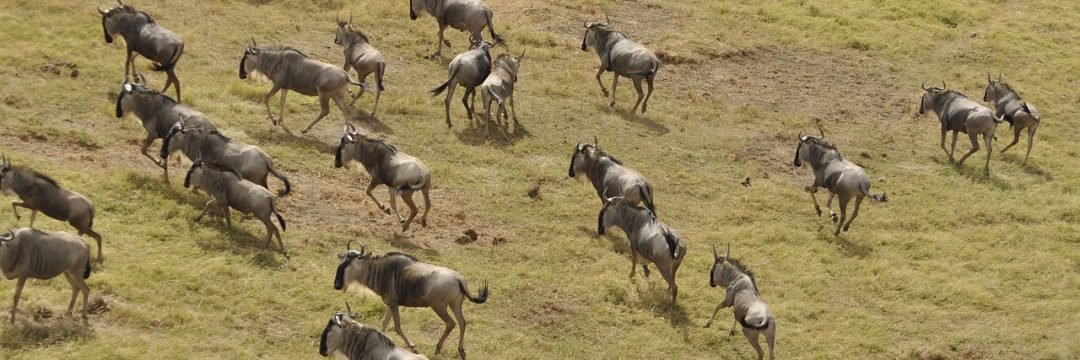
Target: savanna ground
(955, 266)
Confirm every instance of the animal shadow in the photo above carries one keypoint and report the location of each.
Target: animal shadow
(843, 245)
(475, 133)
(639, 119)
(371, 123)
(268, 136)
(403, 243)
(174, 190)
(658, 299)
(33, 333)
(1030, 168)
(241, 242)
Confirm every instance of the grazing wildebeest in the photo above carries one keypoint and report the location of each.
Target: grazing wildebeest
(842, 178)
(499, 86)
(31, 254)
(1019, 113)
(648, 237)
(251, 162)
(290, 69)
(622, 56)
(228, 190)
(468, 69)
(145, 37)
(402, 173)
(742, 294)
(348, 338)
(607, 174)
(463, 15)
(158, 113)
(957, 113)
(402, 280)
(360, 55)
(39, 192)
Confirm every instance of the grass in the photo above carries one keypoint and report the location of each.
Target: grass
(955, 266)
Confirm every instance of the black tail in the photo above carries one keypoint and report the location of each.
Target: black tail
(439, 90)
(479, 299)
(672, 243)
(646, 197)
(379, 75)
(280, 219)
(491, 28)
(86, 271)
(171, 64)
(288, 186)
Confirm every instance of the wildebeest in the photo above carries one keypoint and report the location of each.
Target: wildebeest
(39, 192)
(1019, 113)
(348, 338)
(145, 37)
(158, 113)
(251, 162)
(622, 56)
(290, 69)
(402, 280)
(842, 178)
(360, 55)
(402, 173)
(31, 254)
(468, 69)
(228, 190)
(499, 86)
(648, 237)
(957, 113)
(463, 15)
(742, 294)
(607, 174)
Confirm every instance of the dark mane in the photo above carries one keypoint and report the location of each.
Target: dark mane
(601, 154)
(356, 32)
(821, 142)
(955, 93)
(283, 49)
(393, 149)
(743, 269)
(36, 174)
(148, 91)
(394, 253)
(1006, 86)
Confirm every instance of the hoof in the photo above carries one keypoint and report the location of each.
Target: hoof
(818, 211)
(611, 104)
(707, 325)
(423, 223)
(385, 210)
(835, 219)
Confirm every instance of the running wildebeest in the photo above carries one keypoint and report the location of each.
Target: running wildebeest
(228, 190)
(251, 162)
(157, 112)
(842, 178)
(348, 338)
(742, 294)
(402, 173)
(145, 37)
(468, 69)
(360, 55)
(290, 69)
(957, 113)
(463, 15)
(39, 192)
(648, 237)
(499, 86)
(607, 174)
(622, 56)
(31, 254)
(402, 280)
(1019, 113)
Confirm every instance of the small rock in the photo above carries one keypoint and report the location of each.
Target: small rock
(535, 192)
(472, 234)
(499, 240)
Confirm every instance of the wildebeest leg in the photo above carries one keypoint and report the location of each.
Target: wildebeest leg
(445, 316)
(715, 311)
(324, 104)
(944, 133)
(1031, 140)
(461, 320)
(953, 148)
(149, 140)
(427, 203)
(18, 291)
(645, 105)
(614, 84)
(828, 205)
(362, 80)
(1016, 139)
(266, 101)
(74, 293)
(33, 215)
(854, 212)
(974, 148)
(513, 109)
(172, 79)
(394, 193)
(669, 275)
(505, 124)
(205, 209)
(371, 186)
(271, 230)
(465, 101)
(843, 213)
(95, 236)
(813, 190)
(734, 325)
(281, 106)
(640, 94)
(128, 63)
(386, 319)
(446, 103)
(397, 326)
(486, 102)
(988, 138)
(442, 28)
(770, 337)
(598, 81)
(752, 336)
(633, 262)
(407, 197)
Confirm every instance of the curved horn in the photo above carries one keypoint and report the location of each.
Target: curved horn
(596, 142)
(715, 256)
(253, 44)
(999, 77)
(10, 235)
(800, 134)
(585, 23)
(923, 86)
(99, 8)
(348, 246)
(822, 133)
(337, 18)
(988, 78)
(943, 85)
(350, 18)
(348, 309)
(607, 20)
(728, 255)
(120, 2)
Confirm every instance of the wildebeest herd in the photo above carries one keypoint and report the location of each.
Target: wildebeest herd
(235, 175)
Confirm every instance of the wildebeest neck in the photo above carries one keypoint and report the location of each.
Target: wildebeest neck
(819, 154)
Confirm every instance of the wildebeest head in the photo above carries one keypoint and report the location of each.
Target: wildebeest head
(124, 101)
(346, 32)
(806, 141)
(121, 17)
(331, 335)
(345, 268)
(995, 88)
(416, 7)
(250, 59)
(607, 218)
(719, 265)
(7, 237)
(199, 169)
(351, 136)
(5, 169)
(582, 153)
(591, 30)
(929, 95)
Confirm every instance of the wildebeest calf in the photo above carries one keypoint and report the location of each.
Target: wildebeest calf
(229, 190)
(499, 86)
(348, 338)
(251, 162)
(648, 237)
(402, 173)
(31, 254)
